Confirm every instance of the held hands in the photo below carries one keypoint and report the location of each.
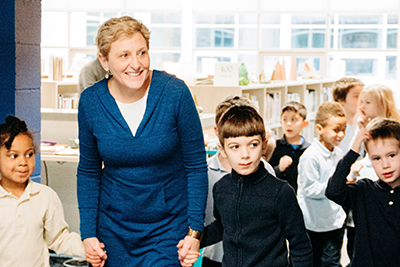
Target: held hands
(362, 135)
(95, 253)
(285, 162)
(188, 251)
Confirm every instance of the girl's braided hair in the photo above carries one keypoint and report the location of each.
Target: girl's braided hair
(12, 128)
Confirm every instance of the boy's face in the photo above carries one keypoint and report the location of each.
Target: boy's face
(18, 163)
(351, 102)
(292, 124)
(385, 159)
(332, 134)
(243, 153)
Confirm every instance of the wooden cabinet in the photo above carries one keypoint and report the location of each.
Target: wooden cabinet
(269, 98)
(59, 94)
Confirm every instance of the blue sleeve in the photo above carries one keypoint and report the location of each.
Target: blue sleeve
(194, 159)
(88, 174)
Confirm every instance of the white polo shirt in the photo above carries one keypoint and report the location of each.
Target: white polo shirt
(33, 224)
(316, 166)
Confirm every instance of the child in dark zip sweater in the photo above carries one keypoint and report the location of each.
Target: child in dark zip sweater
(256, 213)
(375, 204)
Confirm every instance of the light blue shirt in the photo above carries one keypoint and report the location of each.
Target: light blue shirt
(348, 137)
(316, 166)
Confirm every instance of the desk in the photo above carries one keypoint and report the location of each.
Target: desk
(59, 158)
(62, 156)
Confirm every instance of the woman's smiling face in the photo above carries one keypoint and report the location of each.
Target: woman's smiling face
(129, 62)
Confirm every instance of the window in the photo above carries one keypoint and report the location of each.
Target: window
(270, 38)
(270, 31)
(308, 31)
(166, 29)
(308, 19)
(391, 38)
(391, 67)
(360, 38)
(158, 59)
(361, 67)
(366, 42)
(308, 38)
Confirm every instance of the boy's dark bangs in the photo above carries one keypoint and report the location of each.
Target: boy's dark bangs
(248, 127)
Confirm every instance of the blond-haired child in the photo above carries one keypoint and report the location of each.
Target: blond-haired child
(324, 219)
(375, 204)
(376, 101)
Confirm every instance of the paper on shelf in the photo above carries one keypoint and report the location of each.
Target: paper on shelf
(52, 149)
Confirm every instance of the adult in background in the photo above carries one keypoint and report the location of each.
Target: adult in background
(91, 73)
(143, 126)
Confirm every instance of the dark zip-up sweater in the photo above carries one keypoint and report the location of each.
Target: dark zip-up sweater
(255, 215)
(283, 147)
(376, 213)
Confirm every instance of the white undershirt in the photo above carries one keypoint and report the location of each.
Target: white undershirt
(133, 113)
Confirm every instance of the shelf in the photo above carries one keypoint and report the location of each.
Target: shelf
(50, 91)
(270, 97)
(53, 114)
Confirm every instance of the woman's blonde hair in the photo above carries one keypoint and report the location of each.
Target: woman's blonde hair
(112, 30)
(383, 95)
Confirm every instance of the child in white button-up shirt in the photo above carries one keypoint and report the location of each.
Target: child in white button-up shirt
(323, 218)
(31, 214)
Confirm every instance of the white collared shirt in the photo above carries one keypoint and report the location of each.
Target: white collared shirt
(348, 137)
(32, 224)
(316, 166)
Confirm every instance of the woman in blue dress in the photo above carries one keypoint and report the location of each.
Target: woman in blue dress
(142, 174)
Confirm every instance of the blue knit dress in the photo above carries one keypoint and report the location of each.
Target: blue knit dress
(153, 185)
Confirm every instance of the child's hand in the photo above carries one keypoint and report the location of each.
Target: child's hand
(362, 135)
(354, 170)
(190, 258)
(362, 121)
(285, 162)
(95, 253)
(356, 167)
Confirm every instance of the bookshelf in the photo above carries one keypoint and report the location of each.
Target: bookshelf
(269, 99)
(59, 94)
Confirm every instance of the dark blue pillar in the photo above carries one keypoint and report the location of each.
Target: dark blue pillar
(20, 28)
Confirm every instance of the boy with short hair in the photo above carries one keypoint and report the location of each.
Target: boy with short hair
(285, 157)
(255, 212)
(346, 92)
(375, 204)
(323, 218)
(218, 167)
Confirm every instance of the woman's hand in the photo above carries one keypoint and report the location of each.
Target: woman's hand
(188, 251)
(95, 253)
